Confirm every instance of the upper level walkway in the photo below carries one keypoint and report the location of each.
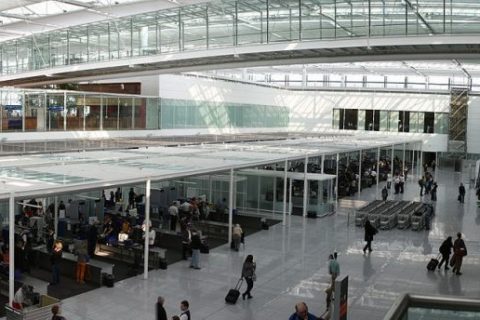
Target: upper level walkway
(245, 33)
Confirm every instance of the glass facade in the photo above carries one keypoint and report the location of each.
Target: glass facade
(394, 121)
(228, 23)
(50, 110)
(186, 114)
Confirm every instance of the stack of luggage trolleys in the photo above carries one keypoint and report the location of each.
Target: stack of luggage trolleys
(404, 219)
(374, 216)
(362, 213)
(418, 218)
(388, 219)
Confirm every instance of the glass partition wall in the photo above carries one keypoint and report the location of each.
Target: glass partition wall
(54, 110)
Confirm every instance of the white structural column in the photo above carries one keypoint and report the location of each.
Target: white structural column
(210, 188)
(391, 161)
(403, 159)
(290, 204)
(359, 186)
(305, 188)
(230, 207)
(421, 164)
(274, 192)
(336, 179)
(147, 230)
(378, 171)
(55, 217)
(413, 160)
(322, 165)
(436, 165)
(11, 245)
(285, 185)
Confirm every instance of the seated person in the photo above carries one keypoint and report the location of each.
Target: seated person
(108, 229)
(126, 228)
(22, 297)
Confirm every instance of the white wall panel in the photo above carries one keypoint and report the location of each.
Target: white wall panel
(473, 125)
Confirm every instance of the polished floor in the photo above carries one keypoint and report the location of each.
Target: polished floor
(292, 267)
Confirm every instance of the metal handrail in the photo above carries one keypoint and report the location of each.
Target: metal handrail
(401, 305)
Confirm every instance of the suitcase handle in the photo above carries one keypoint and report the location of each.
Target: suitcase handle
(239, 283)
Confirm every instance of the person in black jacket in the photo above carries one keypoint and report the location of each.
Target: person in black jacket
(195, 246)
(55, 259)
(445, 250)
(461, 193)
(459, 251)
(248, 273)
(370, 231)
(161, 313)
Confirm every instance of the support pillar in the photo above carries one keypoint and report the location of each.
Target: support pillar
(403, 159)
(305, 188)
(230, 207)
(285, 177)
(359, 186)
(421, 163)
(378, 171)
(322, 165)
(391, 161)
(11, 245)
(147, 230)
(55, 218)
(290, 204)
(336, 180)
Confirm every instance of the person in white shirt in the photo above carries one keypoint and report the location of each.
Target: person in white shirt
(236, 236)
(173, 213)
(185, 315)
(151, 237)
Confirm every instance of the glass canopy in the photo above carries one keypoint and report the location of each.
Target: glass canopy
(228, 23)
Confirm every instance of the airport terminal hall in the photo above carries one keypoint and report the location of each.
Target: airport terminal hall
(239, 159)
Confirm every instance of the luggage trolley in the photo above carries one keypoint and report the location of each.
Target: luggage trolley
(388, 218)
(405, 217)
(418, 218)
(39, 311)
(374, 216)
(362, 213)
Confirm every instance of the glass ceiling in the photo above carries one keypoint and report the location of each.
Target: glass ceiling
(48, 174)
(12, 11)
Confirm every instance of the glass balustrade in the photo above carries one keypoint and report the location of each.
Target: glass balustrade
(227, 23)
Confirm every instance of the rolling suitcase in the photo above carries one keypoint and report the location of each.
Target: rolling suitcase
(234, 293)
(433, 263)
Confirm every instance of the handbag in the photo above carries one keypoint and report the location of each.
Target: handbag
(254, 277)
(452, 261)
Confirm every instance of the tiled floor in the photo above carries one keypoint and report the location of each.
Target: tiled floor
(291, 267)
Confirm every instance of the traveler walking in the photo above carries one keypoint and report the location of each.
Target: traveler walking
(461, 193)
(184, 307)
(384, 193)
(433, 192)
(161, 313)
(248, 272)
(370, 231)
(445, 249)
(421, 184)
(173, 213)
(459, 251)
(236, 236)
(195, 246)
